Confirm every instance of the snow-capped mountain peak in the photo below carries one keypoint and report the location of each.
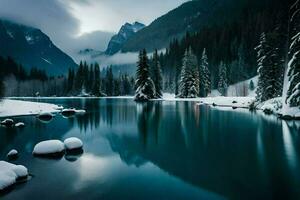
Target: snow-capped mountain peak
(125, 33)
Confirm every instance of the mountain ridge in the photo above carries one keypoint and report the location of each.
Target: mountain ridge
(31, 47)
(125, 33)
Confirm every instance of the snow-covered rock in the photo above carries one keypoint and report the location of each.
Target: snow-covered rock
(49, 148)
(81, 112)
(13, 154)
(73, 143)
(68, 112)
(10, 173)
(7, 122)
(19, 124)
(45, 116)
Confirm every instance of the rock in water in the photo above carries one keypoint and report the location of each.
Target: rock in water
(49, 148)
(13, 154)
(73, 145)
(10, 173)
(68, 112)
(20, 125)
(7, 122)
(45, 117)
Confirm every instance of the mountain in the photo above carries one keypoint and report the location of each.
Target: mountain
(32, 48)
(192, 16)
(126, 32)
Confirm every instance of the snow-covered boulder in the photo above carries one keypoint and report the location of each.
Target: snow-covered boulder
(80, 112)
(73, 144)
(13, 154)
(10, 174)
(7, 122)
(45, 117)
(20, 125)
(49, 148)
(68, 112)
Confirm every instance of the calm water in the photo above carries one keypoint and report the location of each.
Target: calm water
(159, 150)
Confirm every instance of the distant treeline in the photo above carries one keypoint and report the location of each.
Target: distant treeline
(86, 80)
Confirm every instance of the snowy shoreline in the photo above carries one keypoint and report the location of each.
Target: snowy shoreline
(13, 108)
(22, 106)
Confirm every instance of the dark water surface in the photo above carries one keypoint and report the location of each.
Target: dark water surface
(159, 150)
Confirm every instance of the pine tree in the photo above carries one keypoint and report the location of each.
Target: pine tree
(97, 81)
(189, 80)
(109, 79)
(79, 79)
(223, 81)
(293, 71)
(70, 81)
(145, 88)
(270, 68)
(156, 75)
(204, 76)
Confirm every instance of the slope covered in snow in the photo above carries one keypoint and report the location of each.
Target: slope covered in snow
(10, 108)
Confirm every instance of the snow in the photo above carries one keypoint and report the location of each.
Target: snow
(19, 124)
(48, 147)
(69, 110)
(47, 61)
(10, 108)
(7, 122)
(239, 89)
(241, 102)
(276, 106)
(11, 35)
(80, 111)
(273, 105)
(29, 39)
(73, 143)
(12, 153)
(9, 173)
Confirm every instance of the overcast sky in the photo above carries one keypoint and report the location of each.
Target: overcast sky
(66, 20)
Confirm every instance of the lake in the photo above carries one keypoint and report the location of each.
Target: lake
(159, 150)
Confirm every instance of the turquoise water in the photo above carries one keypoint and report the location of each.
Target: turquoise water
(159, 150)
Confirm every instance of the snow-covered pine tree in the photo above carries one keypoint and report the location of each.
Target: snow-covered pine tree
(156, 75)
(145, 88)
(204, 76)
(270, 68)
(189, 80)
(264, 89)
(223, 80)
(293, 71)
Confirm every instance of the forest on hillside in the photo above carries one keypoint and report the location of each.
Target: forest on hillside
(230, 40)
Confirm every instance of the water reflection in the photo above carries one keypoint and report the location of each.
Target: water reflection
(236, 154)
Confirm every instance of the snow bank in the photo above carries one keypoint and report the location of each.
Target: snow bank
(49, 148)
(73, 143)
(235, 102)
(10, 108)
(10, 173)
(239, 89)
(275, 106)
(271, 106)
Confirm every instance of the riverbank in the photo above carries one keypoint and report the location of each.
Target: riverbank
(12, 108)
